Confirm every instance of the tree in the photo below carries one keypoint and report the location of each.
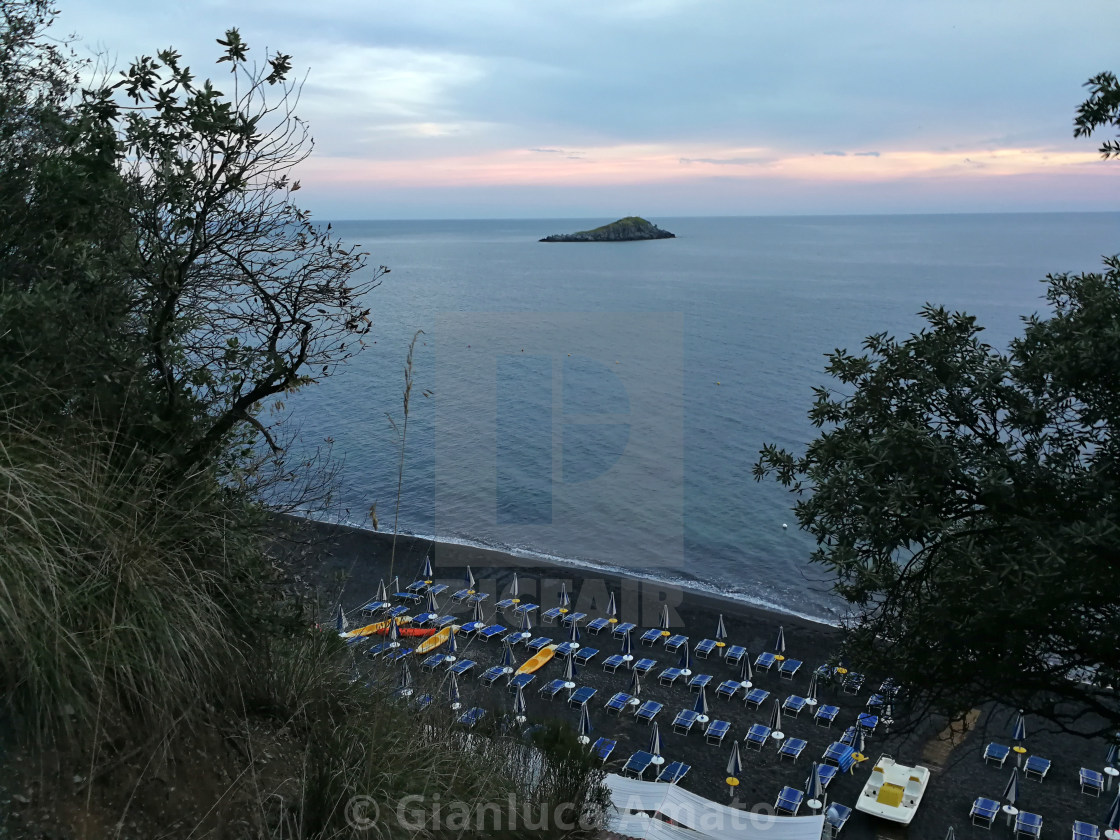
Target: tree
(966, 501)
(239, 297)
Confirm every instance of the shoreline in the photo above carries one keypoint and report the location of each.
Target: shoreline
(530, 558)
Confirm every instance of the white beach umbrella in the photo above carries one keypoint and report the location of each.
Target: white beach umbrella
(1011, 792)
(426, 571)
(627, 648)
(776, 721)
(478, 611)
(584, 725)
(655, 745)
(1110, 759)
(685, 662)
(735, 763)
(811, 694)
(396, 584)
(813, 789)
(635, 689)
(382, 595)
(569, 675)
(452, 644)
(470, 581)
(951, 834)
(431, 602)
(519, 705)
(453, 692)
(745, 673)
(507, 662)
(780, 642)
(565, 601)
(404, 680)
(513, 590)
(340, 623)
(1019, 730)
(612, 608)
(721, 629)
(394, 634)
(526, 626)
(573, 632)
(664, 623)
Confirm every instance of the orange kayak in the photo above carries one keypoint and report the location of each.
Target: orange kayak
(538, 661)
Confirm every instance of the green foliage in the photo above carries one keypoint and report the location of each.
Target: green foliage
(1102, 108)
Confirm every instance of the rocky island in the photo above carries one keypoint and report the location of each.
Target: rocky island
(630, 229)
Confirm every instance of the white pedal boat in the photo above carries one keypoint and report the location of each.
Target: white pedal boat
(894, 791)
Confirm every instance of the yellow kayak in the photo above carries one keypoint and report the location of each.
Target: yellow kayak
(433, 642)
(538, 661)
(375, 628)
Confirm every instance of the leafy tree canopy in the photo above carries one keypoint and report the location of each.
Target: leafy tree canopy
(965, 499)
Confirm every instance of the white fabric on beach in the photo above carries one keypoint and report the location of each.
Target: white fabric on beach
(648, 828)
(702, 816)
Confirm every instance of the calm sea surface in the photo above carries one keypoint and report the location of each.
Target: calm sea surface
(564, 456)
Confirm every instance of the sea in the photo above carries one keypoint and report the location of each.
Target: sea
(602, 404)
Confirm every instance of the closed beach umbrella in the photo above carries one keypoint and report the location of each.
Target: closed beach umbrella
(404, 680)
(340, 620)
(426, 572)
(721, 629)
(1019, 731)
(1011, 792)
(526, 624)
(811, 694)
(470, 580)
(735, 763)
(396, 584)
(951, 834)
(655, 744)
(780, 642)
(776, 718)
(394, 634)
(584, 724)
(701, 707)
(685, 663)
(813, 789)
(431, 605)
(452, 645)
(573, 631)
(382, 595)
(635, 685)
(664, 623)
(745, 673)
(565, 601)
(513, 589)
(478, 611)
(519, 705)
(569, 675)
(507, 662)
(453, 692)
(612, 608)
(1113, 818)
(1110, 759)
(627, 647)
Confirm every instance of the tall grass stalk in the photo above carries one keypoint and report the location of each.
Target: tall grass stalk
(402, 437)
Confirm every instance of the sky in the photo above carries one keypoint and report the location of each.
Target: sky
(441, 109)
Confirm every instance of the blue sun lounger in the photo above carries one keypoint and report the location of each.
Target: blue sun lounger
(472, 627)
(397, 611)
(792, 748)
(849, 736)
(421, 702)
(1085, 831)
(637, 764)
(699, 681)
(826, 773)
(438, 588)
(756, 697)
(472, 716)
(794, 704)
(551, 688)
(853, 683)
(603, 748)
(651, 637)
(684, 721)
(789, 668)
(728, 689)
(398, 654)
(424, 618)
(581, 696)
(378, 649)
(875, 703)
(836, 816)
(1036, 767)
(669, 676)
(867, 722)
(492, 675)
(564, 649)
(984, 812)
(549, 616)
(704, 648)
(596, 625)
(612, 662)
(765, 661)
(622, 629)
(571, 618)
(460, 595)
(585, 655)
(619, 702)
(526, 608)
(673, 772)
(1092, 782)
(789, 801)
(757, 735)
(1028, 824)
(374, 607)
(825, 715)
(462, 666)
(432, 661)
(648, 710)
(734, 654)
(716, 731)
(488, 633)
(411, 597)
(674, 643)
(504, 604)
(644, 666)
(520, 680)
(996, 754)
(538, 644)
(416, 586)
(477, 598)
(443, 621)
(841, 756)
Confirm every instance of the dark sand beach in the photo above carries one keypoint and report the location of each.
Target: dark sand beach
(345, 565)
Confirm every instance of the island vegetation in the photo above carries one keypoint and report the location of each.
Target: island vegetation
(629, 229)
